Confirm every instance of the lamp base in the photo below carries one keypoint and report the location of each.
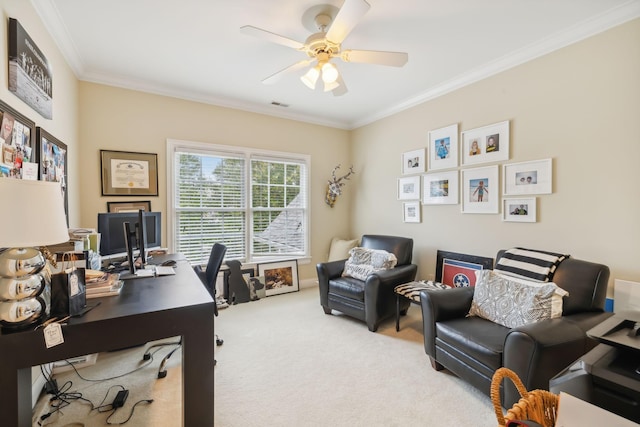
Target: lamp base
(19, 262)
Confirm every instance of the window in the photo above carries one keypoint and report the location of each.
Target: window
(252, 201)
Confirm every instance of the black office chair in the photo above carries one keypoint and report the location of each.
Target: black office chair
(208, 278)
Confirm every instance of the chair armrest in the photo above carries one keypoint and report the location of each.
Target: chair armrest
(439, 305)
(327, 271)
(379, 296)
(538, 351)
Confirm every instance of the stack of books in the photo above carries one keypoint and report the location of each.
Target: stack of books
(101, 284)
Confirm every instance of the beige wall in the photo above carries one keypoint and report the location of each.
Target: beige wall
(64, 124)
(119, 119)
(579, 106)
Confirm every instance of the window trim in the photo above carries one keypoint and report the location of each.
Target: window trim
(175, 145)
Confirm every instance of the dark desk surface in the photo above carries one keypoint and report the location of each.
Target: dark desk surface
(147, 309)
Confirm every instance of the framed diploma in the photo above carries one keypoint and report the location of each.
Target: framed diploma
(127, 173)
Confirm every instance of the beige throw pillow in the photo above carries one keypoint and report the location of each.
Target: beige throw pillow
(512, 302)
(340, 248)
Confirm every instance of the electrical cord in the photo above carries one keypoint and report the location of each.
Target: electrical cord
(133, 408)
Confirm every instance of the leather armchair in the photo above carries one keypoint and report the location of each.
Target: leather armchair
(372, 300)
(473, 348)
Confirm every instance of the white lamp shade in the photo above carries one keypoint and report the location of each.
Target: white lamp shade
(329, 73)
(311, 77)
(32, 213)
(330, 86)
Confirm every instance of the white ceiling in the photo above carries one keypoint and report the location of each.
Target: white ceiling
(193, 49)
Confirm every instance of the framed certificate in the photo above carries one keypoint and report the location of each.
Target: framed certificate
(129, 174)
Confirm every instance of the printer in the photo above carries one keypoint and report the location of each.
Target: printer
(609, 375)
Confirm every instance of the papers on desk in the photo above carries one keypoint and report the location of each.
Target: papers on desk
(101, 284)
(162, 270)
(573, 412)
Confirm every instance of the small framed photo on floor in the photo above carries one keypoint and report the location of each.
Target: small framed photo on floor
(280, 277)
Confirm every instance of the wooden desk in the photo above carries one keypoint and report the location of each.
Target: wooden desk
(147, 309)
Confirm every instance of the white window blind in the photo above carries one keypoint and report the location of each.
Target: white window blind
(252, 201)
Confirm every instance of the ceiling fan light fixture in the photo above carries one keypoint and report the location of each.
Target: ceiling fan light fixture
(329, 73)
(311, 77)
(328, 87)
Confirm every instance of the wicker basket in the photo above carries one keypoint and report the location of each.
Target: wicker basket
(540, 406)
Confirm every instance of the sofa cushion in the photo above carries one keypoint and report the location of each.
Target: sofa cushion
(529, 263)
(362, 262)
(513, 302)
(478, 342)
(340, 248)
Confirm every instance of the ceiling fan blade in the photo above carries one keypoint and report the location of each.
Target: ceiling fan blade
(291, 68)
(272, 37)
(348, 16)
(393, 59)
(340, 90)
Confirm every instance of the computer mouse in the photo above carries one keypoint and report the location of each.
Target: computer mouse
(169, 263)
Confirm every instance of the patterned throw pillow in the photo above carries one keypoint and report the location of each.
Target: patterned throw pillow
(529, 263)
(362, 262)
(512, 302)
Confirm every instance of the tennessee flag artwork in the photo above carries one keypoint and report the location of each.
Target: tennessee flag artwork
(459, 273)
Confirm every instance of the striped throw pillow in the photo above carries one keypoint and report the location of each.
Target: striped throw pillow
(529, 263)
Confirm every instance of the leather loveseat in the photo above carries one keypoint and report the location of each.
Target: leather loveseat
(473, 348)
(371, 300)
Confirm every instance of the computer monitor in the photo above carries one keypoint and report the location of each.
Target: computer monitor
(112, 236)
(129, 241)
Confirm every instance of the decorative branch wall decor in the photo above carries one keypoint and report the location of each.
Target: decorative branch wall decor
(335, 184)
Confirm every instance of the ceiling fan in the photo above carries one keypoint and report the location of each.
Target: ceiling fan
(333, 25)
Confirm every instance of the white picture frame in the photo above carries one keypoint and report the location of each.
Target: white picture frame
(443, 148)
(480, 190)
(492, 142)
(413, 162)
(519, 210)
(532, 177)
(411, 211)
(409, 188)
(440, 188)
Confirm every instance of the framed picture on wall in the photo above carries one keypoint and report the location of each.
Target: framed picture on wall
(411, 211)
(30, 75)
(443, 148)
(17, 141)
(413, 162)
(409, 188)
(52, 154)
(440, 188)
(519, 210)
(128, 173)
(480, 190)
(527, 178)
(486, 144)
(145, 205)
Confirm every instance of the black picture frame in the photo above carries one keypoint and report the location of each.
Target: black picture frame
(53, 161)
(225, 279)
(446, 259)
(134, 173)
(21, 146)
(30, 74)
(145, 205)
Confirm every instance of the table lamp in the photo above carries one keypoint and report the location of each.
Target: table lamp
(32, 216)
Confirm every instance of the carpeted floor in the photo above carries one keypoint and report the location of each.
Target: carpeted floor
(285, 363)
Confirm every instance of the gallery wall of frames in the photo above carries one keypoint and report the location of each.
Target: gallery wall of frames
(29, 151)
(472, 169)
